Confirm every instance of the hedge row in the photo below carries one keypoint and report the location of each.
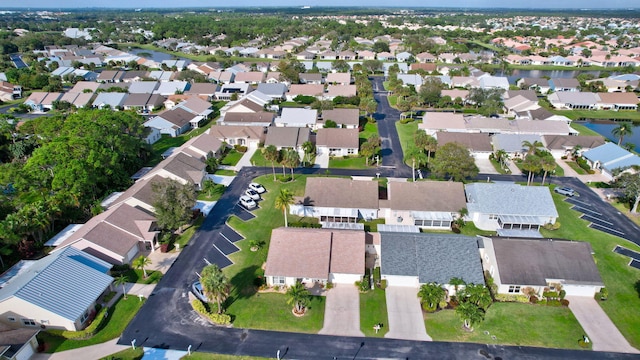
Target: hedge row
(89, 331)
(220, 319)
(512, 298)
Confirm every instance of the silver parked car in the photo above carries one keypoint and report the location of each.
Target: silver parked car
(198, 291)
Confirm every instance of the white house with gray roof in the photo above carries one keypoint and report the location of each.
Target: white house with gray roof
(610, 158)
(58, 291)
(504, 205)
(412, 259)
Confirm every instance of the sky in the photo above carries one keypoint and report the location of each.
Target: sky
(538, 4)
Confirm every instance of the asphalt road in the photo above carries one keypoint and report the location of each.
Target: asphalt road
(168, 321)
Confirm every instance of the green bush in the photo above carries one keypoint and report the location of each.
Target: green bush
(376, 275)
(220, 319)
(383, 284)
(89, 331)
(551, 294)
(240, 148)
(604, 294)
(554, 302)
(407, 120)
(512, 298)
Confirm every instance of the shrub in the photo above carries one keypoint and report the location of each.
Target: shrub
(533, 299)
(328, 285)
(512, 298)
(88, 332)
(553, 302)
(383, 284)
(554, 226)
(406, 120)
(376, 275)
(562, 294)
(258, 281)
(240, 148)
(551, 294)
(604, 294)
(564, 302)
(220, 319)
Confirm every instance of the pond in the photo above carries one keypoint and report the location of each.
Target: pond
(604, 128)
(153, 55)
(516, 74)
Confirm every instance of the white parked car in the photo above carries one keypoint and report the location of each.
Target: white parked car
(247, 202)
(252, 194)
(257, 188)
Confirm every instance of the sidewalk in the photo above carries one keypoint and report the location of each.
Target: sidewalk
(93, 352)
(245, 160)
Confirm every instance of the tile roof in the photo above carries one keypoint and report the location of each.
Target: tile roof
(564, 142)
(338, 138)
(431, 257)
(512, 143)
(65, 282)
(349, 117)
(289, 137)
(247, 132)
(341, 193)
(472, 141)
(533, 261)
(240, 118)
(421, 196)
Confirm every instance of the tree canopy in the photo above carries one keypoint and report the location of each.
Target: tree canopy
(454, 160)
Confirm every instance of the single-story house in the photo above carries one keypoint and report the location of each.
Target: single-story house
(196, 106)
(9, 91)
(425, 204)
(181, 167)
(311, 78)
(203, 147)
(205, 91)
(41, 101)
(143, 87)
(512, 143)
(227, 90)
(344, 118)
(144, 103)
(110, 100)
(495, 206)
(515, 264)
(71, 281)
(563, 145)
(338, 200)
(610, 157)
(17, 344)
(315, 256)
(415, 80)
(275, 91)
(261, 118)
(617, 101)
(334, 91)
(337, 141)
(297, 117)
(173, 122)
(564, 84)
(249, 77)
(250, 136)
(79, 100)
(479, 144)
(413, 259)
(287, 138)
(246, 105)
(316, 90)
(433, 122)
(338, 78)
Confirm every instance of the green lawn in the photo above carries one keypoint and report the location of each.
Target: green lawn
(368, 130)
(258, 159)
(350, 162)
(406, 132)
(583, 130)
(511, 324)
(183, 239)
(373, 310)
(393, 100)
(128, 354)
(618, 277)
(225, 172)
(232, 158)
(209, 356)
(559, 171)
(499, 167)
(599, 114)
(575, 167)
(163, 145)
(216, 193)
(137, 276)
(624, 208)
(118, 318)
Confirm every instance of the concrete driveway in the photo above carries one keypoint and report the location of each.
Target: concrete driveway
(342, 311)
(485, 166)
(405, 315)
(600, 329)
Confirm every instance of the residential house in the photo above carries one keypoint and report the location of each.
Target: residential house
(297, 117)
(110, 76)
(17, 344)
(227, 91)
(564, 84)
(205, 91)
(328, 55)
(413, 259)
(512, 144)
(198, 107)
(161, 75)
(9, 91)
(433, 122)
(132, 76)
(338, 78)
(222, 77)
(275, 91)
(564, 145)
(610, 158)
(140, 195)
(478, 144)
(337, 141)
(541, 264)
(181, 167)
(246, 105)
(424, 204)
(338, 200)
(344, 118)
(305, 55)
(312, 256)
(117, 235)
(85, 87)
(455, 93)
(425, 57)
(288, 138)
(366, 55)
(487, 81)
(494, 206)
(173, 122)
(72, 280)
(203, 147)
(41, 101)
(540, 85)
(311, 78)
(414, 80)
(347, 55)
(110, 100)
(386, 56)
(617, 101)
(79, 100)
(573, 100)
(423, 67)
(250, 136)
(249, 77)
(316, 90)
(334, 91)
(404, 56)
(167, 88)
(143, 103)
(260, 118)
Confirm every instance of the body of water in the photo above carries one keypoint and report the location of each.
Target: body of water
(155, 55)
(604, 128)
(516, 74)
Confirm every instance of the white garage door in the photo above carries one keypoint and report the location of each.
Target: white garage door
(25, 353)
(344, 278)
(580, 290)
(397, 280)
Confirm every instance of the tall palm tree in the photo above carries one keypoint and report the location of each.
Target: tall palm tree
(282, 202)
(470, 314)
(622, 130)
(215, 284)
(141, 263)
(291, 159)
(308, 148)
(121, 280)
(299, 297)
(431, 295)
(548, 163)
(532, 147)
(272, 154)
(531, 164)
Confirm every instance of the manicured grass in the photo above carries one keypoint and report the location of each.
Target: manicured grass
(258, 159)
(618, 277)
(350, 162)
(368, 130)
(624, 208)
(137, 276)
(499, 167)
(232, 158)
(511, 324)
(128, 354)
(186, 235)
(373, 310)
(583, 130)
(118, 318)
(215, 194)
(371, 226)
(470, 229)
(225, 172)
(599, 114)
(163, 145)
(406, 132)
(393, 100)
(559, 171)
(575, 167)
(209, 356)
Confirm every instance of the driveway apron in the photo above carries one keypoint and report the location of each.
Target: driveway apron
(405, 315)
(342, 311)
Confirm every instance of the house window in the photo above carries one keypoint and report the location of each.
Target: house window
(514, 289)
(278, 280)
(493, 217)
(351, 151)
(28, 322)
(84, 317)
(11, 318)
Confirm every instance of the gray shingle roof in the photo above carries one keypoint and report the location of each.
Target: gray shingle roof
(65, 282)
(432, 257)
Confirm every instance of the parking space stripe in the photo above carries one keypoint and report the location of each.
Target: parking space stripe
(574, 201)
(606, 229)
(595, 219)
(584, 210)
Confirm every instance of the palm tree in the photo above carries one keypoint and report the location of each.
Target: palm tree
(215, 284)
(532, 147)
(531, 164)
(291, 159)
(121, 280)
(477, 294)
(470, 314)
(141, 263)
(272, 154)
(431, 295)
(575, 151)
(547, 163)
(282, 202)
(299, 297)
(418, 159)
(457, 282)
(622, 130)
(501, 157)
(308, 148)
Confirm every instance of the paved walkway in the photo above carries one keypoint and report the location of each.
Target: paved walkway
(342, 311)
(93, 352)
(599, 328)
(322, 160)
(514, 169)
(245, 160)
(568, 171)
(405, 314)
(485, 166)
(162, 261)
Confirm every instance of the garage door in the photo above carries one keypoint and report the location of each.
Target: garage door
(344, 278)
(397, 280)
(25, 353)
(580, 290)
